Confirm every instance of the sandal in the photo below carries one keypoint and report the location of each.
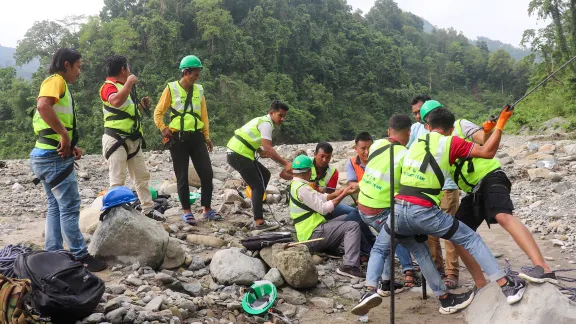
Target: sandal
(409, 283)
(213, 215)
(189, 219)
(451, 281)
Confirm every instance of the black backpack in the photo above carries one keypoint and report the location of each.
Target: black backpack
(258, 242)
(62, 289)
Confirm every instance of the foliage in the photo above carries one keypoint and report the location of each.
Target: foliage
(340, 72)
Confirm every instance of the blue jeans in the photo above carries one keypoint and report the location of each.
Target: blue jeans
(341, 209)
(377, 222)
(413, 219)
(63, 205)
(354, 216)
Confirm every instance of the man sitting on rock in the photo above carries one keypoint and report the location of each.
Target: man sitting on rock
(307, 210)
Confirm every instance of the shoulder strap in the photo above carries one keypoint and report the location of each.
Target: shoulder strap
(296, 202)
(458, 171)
(378, 152)
(430, 160)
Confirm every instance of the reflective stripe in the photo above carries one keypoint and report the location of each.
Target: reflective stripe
(398, 156)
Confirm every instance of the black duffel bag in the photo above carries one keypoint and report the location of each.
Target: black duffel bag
(258, 242)
(62, 289)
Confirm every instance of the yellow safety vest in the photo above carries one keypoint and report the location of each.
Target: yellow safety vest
(375, 185)
(48, 139)
(425, 167)
(305, 218)
(124, 120)
(247, 139)
(182, 117)
(322, 182)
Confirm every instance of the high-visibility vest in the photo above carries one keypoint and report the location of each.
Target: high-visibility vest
(375, 185)
(124, 120)
(182, 116)
(425, 167)
(305, 218)
(358, 169)
(48, 139)
(322, 182)
(247, 139)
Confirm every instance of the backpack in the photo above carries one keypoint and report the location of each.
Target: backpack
(62, 289)
(13, 294)
(258, 242)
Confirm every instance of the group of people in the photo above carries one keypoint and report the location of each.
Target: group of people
(434, 159)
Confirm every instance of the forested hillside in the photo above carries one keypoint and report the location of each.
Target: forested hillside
(341, 72)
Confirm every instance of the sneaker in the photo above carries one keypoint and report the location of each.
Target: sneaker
(155, 215)
(455, 302)
(350, 271)
(384, 288)
(264, 225)
(93, 264)
(369, 300)
(513, 289)
(537, 275)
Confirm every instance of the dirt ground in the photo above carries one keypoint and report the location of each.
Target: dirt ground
(410, 307)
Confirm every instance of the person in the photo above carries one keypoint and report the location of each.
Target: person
(122, 141)
(374, 196)
(256, 137)
(188, 136)
(355, 166)
(488, 199)
(424, 169)
(52, 159)
(307, 210)
(418, 129)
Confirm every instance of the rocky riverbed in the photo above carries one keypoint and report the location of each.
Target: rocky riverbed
(203, 278)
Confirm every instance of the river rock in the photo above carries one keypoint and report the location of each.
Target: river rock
(231, 266)
(321, 302)
(292, 296)
(206, 240)
(193, 178)
(296, 266)
(274, 277)
(541, 304)
(538, 173)
(89, 219)
(174, 256)
(232, 195)
(125, 236)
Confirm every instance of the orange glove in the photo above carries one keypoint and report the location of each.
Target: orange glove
(488, 126)
(505, 114)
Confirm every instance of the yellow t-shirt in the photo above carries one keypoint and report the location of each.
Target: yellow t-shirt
(53, 87)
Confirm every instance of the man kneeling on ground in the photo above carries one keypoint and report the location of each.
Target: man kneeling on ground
(307, 210)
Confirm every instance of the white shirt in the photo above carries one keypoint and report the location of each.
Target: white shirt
(266, 129)
(317, 201)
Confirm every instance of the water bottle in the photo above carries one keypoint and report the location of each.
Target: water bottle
(363, 318)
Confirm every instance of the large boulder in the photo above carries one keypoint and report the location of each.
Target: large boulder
(89, 219)
(541, 304)
(127, 237)
(295, 264)
(231, 266)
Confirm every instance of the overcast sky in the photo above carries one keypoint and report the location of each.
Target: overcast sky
(503, 20)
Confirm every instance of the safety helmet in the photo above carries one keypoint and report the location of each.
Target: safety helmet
(427, 107)
(249, 193)
(301, 164)
(259, 298)
(117, 196)
(190, 61)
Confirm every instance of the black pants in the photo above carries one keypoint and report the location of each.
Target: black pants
(256, 176)
(182, 149)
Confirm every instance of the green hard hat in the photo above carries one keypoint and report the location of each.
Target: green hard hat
(259, 298)
(301, 164)
(427, 107)
(190, 61)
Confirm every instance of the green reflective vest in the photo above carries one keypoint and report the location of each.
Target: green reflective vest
(48, 139)
(182, 117)
(124, 120)
(305, 218)
(425, 167)
(247, 139)
(458, 131)
(322, 182)
(375, 184)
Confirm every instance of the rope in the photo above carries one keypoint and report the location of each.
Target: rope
(570, 291)
(8, 255)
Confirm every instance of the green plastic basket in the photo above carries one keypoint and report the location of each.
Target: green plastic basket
(193, 197)
(259, 298)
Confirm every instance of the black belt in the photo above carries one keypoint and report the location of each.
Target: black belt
(59, 178)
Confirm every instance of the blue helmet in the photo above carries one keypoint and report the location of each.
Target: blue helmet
(117, 196)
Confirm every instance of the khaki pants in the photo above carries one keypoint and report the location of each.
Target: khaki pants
(449, 204)
(117, 165)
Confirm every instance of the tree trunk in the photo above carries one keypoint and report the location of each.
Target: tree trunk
(502, 84)
(430, 81)
(560, 37)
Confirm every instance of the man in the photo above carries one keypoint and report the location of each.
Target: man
(52, 159)
(307, 210)
(188, 135)
(424, 169)
(355, 166)
(488, 198)
(122, 139)
(374, 196)
(256, 137)
(417, 128)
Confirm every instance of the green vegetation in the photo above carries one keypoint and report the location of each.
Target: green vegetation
(341, 72)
